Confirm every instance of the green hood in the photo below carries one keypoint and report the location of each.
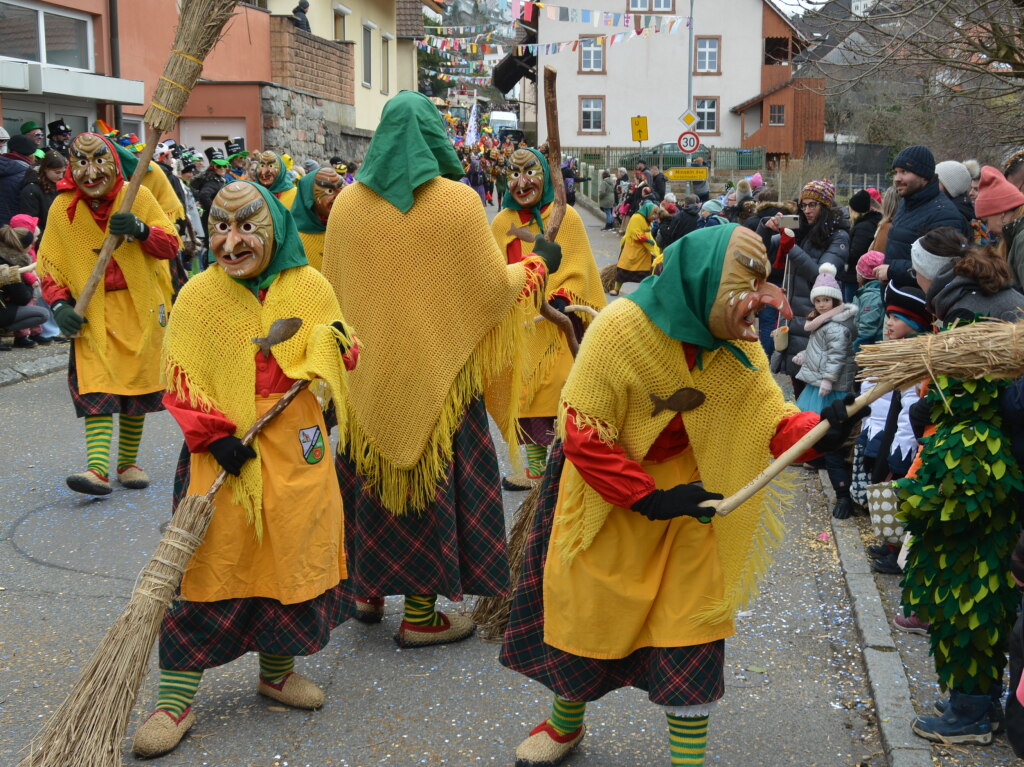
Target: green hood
(645, 209)
(306, 218)
(288, 250)
(409, 148)
(679, 300)
(546, 196)
(282, 182)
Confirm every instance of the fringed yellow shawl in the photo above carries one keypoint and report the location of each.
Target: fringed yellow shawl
(313, 244)
(439, 313)
(625, 358)
(209, 356)
(577, 276)
(67, 253)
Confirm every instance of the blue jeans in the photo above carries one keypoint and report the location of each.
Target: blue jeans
(609, 217)
(766, 319)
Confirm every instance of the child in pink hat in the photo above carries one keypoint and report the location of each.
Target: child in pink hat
(870, 311)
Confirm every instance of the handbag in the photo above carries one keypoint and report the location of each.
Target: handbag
(882, 506)
(780, 335)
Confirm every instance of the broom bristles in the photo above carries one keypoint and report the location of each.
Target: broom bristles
(608, 277)
(87, 729)
(491, 613)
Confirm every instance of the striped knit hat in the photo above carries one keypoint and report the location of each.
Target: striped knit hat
(823, 191)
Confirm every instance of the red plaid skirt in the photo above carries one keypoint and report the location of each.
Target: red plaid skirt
(672, 676)
(101, 403)
(455, 546)
(539, 430)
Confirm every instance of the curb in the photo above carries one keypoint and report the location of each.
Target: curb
(886, 675)
(34, 369)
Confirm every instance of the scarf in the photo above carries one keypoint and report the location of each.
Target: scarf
(409, 148)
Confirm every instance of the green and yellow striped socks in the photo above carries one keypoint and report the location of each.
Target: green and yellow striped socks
(274, 668)
(419, 610)
(566, 716)
(129, 435)
(177, 690)
(536, 460)
(687, 740)
(99, 430)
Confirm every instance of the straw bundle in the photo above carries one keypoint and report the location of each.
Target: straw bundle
(608, 277)
(491, 613)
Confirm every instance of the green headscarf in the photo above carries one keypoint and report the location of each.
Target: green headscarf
(645, 209)
(409, 148)
(288, 250)
(128, 160)
(282, 182)
(546, 195)
(307, 220)
(679, 300)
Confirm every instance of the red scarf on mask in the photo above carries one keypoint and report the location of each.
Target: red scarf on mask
(99, 207)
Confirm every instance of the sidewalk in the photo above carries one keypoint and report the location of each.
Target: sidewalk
(18, 365)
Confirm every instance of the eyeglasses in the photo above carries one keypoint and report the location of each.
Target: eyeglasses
(809, 205)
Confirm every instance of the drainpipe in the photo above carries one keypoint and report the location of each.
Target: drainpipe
(115, 53)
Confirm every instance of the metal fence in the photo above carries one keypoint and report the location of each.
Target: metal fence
(856, 158)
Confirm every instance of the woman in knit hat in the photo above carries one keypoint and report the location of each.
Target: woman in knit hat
(1000, 205)
(865, 215)
(822, 237)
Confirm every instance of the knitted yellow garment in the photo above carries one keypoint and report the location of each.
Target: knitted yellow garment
(67, 254)
(156, 181)
(625, 358)
(208, 352)
(313, 244)
(637, 256)
(287, 197)
(439, 313)
(577, 275)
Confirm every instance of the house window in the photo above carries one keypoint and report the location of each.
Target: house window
(367, 57)
(51, 36)
(340, 32)
(707, 112)
(591, 114)
(707, 56)
(385, 65)
(777, 114)
(652, 6)
(591, 56)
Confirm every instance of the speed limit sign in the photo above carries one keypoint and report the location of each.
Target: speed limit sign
(689, 142)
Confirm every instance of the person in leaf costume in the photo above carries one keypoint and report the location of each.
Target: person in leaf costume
(960, 506)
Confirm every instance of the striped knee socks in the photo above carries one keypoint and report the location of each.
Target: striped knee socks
(536, 459)
(566, 715)
(419, 610)
(177, 690)
(99, 430)
(274, 668)
(687, 740)
(129, 435)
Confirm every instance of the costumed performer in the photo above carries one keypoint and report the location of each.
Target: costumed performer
(114, 365)
(639, 253)
(670, 402)
(313, 200)
(420, 476)
(266, 577)
(526, 211)
(272, 174)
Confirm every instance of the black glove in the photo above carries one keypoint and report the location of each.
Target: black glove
(678, 501)
(231, 453)
(551, 252)
(559, 303)
(344, 343)
(920, 416)
(840, 425)
(128, 224)
(67, 319)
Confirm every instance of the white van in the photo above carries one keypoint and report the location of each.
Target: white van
(499, 120)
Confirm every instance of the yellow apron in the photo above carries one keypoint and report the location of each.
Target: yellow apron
(635, 256)
(302, 553)
(545, 401)
(313, 244)
(640, 583)
(133, 370)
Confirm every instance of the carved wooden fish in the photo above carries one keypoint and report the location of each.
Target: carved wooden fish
(522, 233)
(280, 330)
(681, 400)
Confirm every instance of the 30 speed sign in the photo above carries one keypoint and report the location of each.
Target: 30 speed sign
(689, 142)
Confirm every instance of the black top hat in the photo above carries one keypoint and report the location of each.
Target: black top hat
(235, 146)
(215, 155)
(58, 126)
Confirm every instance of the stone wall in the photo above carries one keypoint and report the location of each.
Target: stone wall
(309, 63)
(306, 126)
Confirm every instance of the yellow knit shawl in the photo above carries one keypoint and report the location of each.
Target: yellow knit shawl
(439, 313)
(637, 256)
(577, 275)
(625, 358)
(67, 253)
(208, 352)
(313, 244)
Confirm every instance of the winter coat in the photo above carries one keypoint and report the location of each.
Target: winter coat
(34, 201)
(804, 261)
(606, 193)
(18, 294)
(12, 176)
(682, 223)
(952, 297)
(965, 206)
(927, 209)
(206, 187)
(861, 235)
(1015, 249)
(870, 314)
(659, 185)
(829, 352)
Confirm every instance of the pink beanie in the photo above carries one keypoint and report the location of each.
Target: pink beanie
(874, 194)
(867, 263)
(996, 194)
(826, 284)
(756, 182)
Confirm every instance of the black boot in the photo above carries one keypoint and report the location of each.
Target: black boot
(843, 508)
(965, 720)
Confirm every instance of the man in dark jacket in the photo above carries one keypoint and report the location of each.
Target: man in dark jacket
(682, 223)
(299, 16)
(923, 207)
(659, 184)
(13, 165)
(206, 185)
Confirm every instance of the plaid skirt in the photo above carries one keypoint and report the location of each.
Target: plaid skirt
(538, 430)
(455, 546)
(624, 275)
(672, 676)
(200, 635)
(101, 403)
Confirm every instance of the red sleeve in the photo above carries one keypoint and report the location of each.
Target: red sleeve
(536, 271)
(53, 292)
(790, 430)
(617, 479)
(160, 244)
(199, 427)
(351, 357)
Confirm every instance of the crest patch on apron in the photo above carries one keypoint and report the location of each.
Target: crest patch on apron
(312, 442)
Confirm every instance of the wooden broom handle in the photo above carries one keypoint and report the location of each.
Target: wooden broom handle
(263, 420)
(111, 241)
(554, 154)
(785, 460)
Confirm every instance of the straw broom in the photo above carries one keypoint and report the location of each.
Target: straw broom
(200, 26)
(986, 349)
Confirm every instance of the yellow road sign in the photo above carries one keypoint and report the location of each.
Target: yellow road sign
(686, 174)
(639, 124)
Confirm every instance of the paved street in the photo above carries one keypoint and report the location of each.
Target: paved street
(797, 691)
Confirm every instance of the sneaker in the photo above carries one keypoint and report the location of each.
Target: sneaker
(24, 342)
(887, 565)
(996, 715)
(161, 732)
(546, 747)
(911, 624)
(965, 720)
(42, 341)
